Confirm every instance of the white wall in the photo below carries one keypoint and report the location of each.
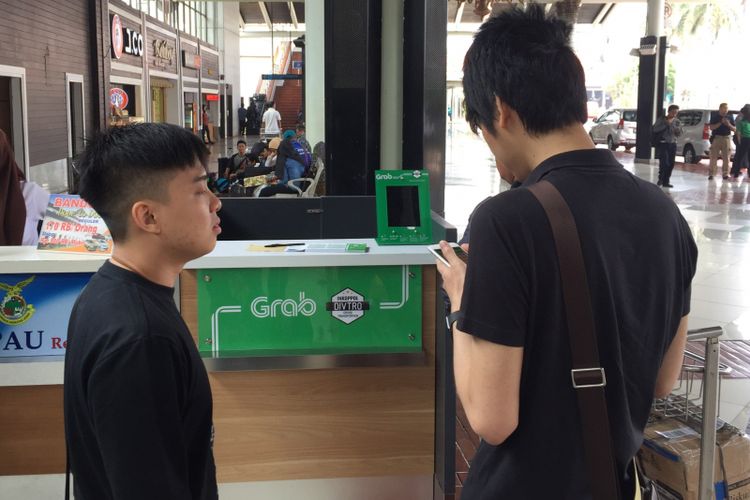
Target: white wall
(229, 62)
(315, 95)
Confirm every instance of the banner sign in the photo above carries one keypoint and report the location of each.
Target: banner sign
(71, 225)
(34, 312)
(296, 311)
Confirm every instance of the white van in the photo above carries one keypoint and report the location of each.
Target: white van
(694, 143)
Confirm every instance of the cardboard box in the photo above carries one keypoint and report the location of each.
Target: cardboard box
(670, 456)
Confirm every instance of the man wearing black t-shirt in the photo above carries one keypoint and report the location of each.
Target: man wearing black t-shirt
(722, 126)
(525, 91)
(138, 409)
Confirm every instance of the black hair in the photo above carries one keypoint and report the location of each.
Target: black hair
(122, 165)
(241, 141)
(524, 58)
(301, 126)
(672, 107)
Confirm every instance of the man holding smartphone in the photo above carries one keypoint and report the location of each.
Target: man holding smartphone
(525, 91)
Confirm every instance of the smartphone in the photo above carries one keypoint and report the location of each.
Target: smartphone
(437, 252)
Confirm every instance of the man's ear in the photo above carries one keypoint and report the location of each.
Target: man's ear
(504, 113)
(144, 217)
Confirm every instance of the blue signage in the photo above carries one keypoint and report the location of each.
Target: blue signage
(34, 312)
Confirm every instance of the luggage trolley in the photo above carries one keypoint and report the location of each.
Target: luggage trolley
(702, 408)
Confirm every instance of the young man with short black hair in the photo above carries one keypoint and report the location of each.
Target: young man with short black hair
(138, 408)
(525, 91)
(669, 129)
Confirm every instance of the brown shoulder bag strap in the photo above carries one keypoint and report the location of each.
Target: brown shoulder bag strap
(587, 374)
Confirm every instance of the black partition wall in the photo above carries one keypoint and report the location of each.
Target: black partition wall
(425, 35)
(352, 89)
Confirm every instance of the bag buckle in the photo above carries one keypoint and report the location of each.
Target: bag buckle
(584, 378)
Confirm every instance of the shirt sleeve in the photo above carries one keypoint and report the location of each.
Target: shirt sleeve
(689, 259)
(136, 399)
(495, 301)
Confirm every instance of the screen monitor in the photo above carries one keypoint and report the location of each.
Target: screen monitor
(402, 201)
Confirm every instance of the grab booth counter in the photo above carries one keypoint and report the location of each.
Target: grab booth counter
(329, 371)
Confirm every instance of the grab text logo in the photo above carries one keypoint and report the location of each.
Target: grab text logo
(263, 307)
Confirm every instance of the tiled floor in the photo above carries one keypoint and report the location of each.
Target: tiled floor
(718, 213)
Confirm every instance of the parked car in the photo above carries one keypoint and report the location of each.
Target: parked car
(694, 143)
(616, 127)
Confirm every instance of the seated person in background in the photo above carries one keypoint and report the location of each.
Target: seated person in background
(238, 161)
(272, 153)
(302, 139)
(290, 163)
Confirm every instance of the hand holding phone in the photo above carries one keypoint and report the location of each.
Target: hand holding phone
(438, 252)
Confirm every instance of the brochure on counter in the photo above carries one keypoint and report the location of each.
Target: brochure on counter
(311, 247)
(72, 226)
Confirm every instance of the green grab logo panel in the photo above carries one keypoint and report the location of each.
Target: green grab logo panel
(320, 310)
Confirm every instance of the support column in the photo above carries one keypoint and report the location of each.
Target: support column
(314, 71)
(650, 78)
(391, 95)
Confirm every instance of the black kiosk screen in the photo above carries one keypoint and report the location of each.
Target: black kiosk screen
(403, 206)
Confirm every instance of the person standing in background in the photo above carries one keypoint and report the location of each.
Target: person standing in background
(12, 206)
(669, 128)
(743, 137)
(242, 117)
(722, 126)
(271, 121)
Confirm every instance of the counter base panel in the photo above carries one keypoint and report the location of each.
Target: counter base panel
(34, 439)
(326, 423)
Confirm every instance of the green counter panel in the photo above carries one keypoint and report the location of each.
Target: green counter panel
(297, 311)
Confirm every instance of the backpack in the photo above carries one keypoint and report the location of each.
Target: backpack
(657, 137)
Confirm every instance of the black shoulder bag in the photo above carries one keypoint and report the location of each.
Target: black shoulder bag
(587, 374)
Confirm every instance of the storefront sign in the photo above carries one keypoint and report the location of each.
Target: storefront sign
(212, 97)
(133, 43)
(34, 312)
(117, 39)
(190, 60)
(118, 98)
(163, 53)
(71, 225)
(310, 310)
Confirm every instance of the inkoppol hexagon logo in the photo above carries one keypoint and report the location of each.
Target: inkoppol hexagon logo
(348, 305)
(13, 307)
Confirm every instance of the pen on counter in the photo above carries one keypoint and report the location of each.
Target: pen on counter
(272, 245)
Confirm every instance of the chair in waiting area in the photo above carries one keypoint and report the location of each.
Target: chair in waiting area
(304, 187)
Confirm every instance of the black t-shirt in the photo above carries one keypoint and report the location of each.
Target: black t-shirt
(138, 409)
(722, 129)
(640, 259)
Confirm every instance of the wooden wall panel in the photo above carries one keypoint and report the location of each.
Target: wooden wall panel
(343, 422)
(33, 440)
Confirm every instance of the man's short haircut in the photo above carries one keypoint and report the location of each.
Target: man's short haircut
(270, 104)
(672, 107)
(723, 104)
(524, 58)
(122, 165)
(300, 127)
(241, 141)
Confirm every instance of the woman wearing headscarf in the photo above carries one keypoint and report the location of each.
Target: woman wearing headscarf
(12, 206)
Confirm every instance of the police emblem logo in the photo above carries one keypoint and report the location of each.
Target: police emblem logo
(14, 310)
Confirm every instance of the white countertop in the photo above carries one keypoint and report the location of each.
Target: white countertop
(227, 254)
